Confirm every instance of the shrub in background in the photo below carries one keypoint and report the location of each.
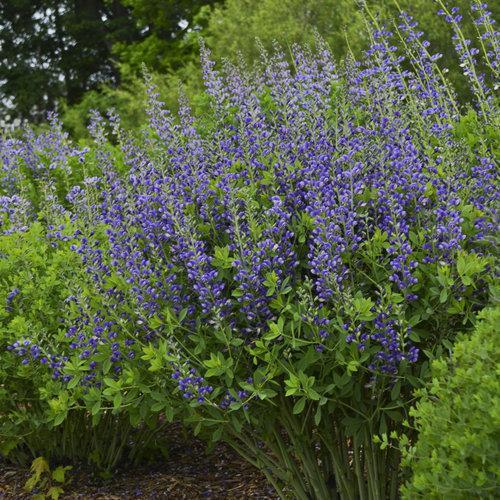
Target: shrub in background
(457, 419)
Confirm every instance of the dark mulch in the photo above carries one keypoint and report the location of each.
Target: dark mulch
(189, 473)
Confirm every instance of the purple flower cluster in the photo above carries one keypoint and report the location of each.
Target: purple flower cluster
(191, 385)
(30, 352)
(16, 213)
(304, 172)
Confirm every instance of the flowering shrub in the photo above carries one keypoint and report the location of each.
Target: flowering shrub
(39, 411)
(280, 271)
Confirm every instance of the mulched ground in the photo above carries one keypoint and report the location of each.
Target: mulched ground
(189, 473)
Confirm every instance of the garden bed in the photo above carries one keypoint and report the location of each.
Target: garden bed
(190, 472)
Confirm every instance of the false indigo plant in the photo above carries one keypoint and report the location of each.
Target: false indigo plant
(280, 272)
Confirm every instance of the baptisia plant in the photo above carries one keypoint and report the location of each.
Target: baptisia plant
(281, 271)
(44, 411)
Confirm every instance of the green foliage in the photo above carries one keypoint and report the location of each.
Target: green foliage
(41, 275)
(162, 47)
(40, 415)
(55, 49)
(126, 100)
(234, 25)
(49, 482)
(458, 421)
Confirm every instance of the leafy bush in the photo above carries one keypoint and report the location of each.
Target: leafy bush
(34, 281)
(458, 421)
(39, 411)
(280, 272)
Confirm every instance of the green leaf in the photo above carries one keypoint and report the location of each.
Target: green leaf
(158, 406)
(395, 415)
(217, 435)
(39, 466)
(352, 366)
(317, 416)
(58, 474)
(182, 315)
(73, 382)
(215, 372)
(96, 408)
(274, 332)
(59, 419)
(117, 401)
(363, 307)
(197, 429)
(271, 282)
(169, 413)
(54, 492)
(266, 393)
(313, 394)
(222, 259)
(298, 407)
(155, 322)
(395, 391)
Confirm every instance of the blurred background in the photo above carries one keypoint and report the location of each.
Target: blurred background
(75, 55)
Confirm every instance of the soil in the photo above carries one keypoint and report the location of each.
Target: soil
(189, 473)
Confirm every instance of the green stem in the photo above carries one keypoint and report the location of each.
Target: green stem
(357, 450)
(394, 487)
(258, 461)
(290, 465)
(373, 476)
(304, 452)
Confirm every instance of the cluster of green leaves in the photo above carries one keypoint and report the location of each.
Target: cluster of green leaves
(49, 482)
(458, 421)
(41, 274)
(40, 415)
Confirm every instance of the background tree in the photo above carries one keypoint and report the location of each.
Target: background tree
(162, 25)
(57, 48)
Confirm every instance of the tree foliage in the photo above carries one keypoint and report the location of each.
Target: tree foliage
(162, 24)
(57, 49)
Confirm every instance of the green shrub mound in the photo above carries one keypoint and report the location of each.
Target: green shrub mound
(457, 454)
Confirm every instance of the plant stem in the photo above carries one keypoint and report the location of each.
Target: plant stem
(357, 450)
